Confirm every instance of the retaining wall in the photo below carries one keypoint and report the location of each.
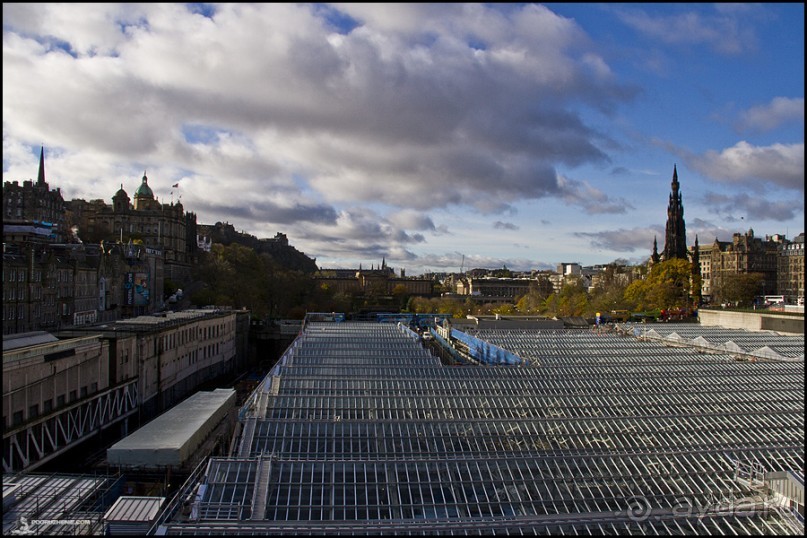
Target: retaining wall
(751, 321)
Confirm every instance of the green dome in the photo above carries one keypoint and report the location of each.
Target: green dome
(144, 191)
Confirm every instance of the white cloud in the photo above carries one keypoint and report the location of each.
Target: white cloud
(727, 31)
(769, 116)
(295, 115)
(401, 103)
(756, 166)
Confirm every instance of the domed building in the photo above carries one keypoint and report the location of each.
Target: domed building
(144, 196)
(164, 227)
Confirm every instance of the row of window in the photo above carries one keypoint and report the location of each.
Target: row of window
(179, 338)
(18, 417)
(19, 274)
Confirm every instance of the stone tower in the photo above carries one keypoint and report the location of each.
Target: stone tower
(675, 240)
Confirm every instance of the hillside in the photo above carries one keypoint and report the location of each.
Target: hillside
(277, 247)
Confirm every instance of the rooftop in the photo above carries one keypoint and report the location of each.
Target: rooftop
(359, 430)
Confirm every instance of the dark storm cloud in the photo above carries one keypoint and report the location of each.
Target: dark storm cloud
(499, 225)
(271, 212)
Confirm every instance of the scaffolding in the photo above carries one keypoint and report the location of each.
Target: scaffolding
(369, 434)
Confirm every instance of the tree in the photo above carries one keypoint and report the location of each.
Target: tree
(572, 300)
(666, 287)
(401, 295)
(740, 288)
(533, 301)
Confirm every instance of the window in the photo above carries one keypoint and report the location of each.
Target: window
(33, 411)
(47, 407)
(73, 396)
(60, 401)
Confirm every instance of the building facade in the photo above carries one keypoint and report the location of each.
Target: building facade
(144, 220)
(498, 289)
(58, 392)
(53, 286)
(744, 254)
(374, 282)
(790, 270)
(36, 204)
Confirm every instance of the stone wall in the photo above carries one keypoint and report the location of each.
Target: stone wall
(751, 321)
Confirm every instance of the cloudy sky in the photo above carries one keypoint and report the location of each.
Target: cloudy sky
(522, 135)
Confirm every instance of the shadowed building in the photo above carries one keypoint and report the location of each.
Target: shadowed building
(36, 204)
(165, 226)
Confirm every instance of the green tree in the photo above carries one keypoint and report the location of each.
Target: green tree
(740, 288)
(667, 286)
(533, 301)
(609, 293)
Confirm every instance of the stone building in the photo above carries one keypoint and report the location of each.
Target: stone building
(143, 219)
(58, 392)
(53, 286)
(37, 204)
(373, 282)
(745, 253)
(790, 270)
(498, 289)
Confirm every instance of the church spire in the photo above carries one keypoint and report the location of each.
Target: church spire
(40, 180)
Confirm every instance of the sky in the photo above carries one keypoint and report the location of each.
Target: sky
(433, 137)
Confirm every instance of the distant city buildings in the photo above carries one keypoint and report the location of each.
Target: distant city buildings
(74, 263)
(779, 261)
(377, 282)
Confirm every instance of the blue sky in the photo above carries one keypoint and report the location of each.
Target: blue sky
(523, 135)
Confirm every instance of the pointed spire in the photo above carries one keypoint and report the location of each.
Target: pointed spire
(655, 256)
(675, 234)
(41, 178)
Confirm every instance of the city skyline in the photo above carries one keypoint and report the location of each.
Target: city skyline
(428, 135)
